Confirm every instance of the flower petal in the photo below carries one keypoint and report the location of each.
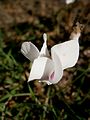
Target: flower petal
(57, 73)
(68, 53)
(44, 51)
(29, 50)
(41, 69)
(69, 1)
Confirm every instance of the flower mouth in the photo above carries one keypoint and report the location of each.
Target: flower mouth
(51, 77)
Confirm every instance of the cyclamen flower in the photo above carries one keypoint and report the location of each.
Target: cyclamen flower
(69, 1)
(49, 69)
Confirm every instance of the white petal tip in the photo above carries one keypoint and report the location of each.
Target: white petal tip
(29, 80)
(45, 37)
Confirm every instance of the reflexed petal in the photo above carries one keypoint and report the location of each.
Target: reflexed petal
(57, 73)
(41, 69)
(29, 50)
(75, 36)
(44, 51)
(68, 53)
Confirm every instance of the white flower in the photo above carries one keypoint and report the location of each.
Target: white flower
(69, 1)
(48, 68)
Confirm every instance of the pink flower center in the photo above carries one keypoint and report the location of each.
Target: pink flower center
(52, 76)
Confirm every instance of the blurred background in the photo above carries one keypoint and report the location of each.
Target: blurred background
(27, 20)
